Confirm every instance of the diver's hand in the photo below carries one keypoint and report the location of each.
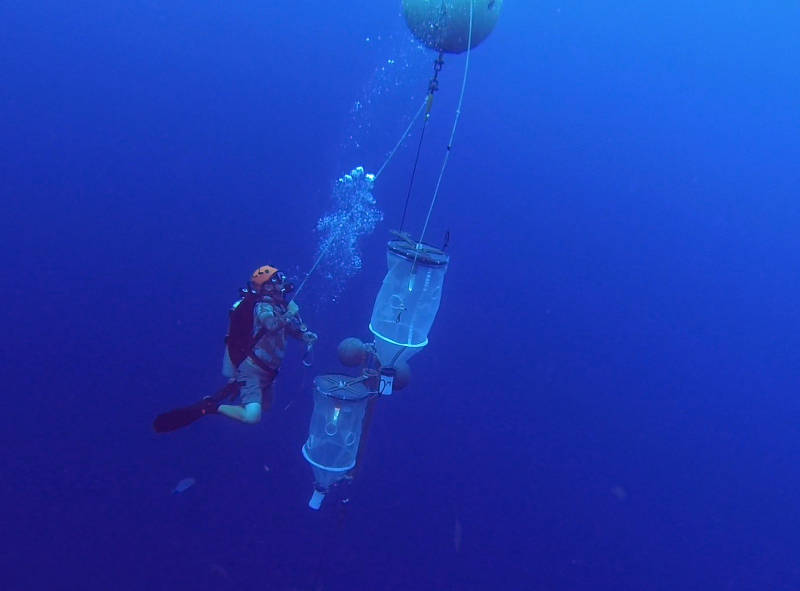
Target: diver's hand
(285, 318)
(292, 308)
(310, 337)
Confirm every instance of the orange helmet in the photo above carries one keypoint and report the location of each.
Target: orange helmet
(261, 275)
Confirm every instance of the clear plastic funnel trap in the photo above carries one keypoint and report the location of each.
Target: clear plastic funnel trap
(335, 431)
(408, 300)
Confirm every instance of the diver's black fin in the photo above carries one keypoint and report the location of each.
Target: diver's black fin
(182, 417)
(178, 418)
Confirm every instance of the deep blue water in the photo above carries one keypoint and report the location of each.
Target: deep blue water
(609, 397)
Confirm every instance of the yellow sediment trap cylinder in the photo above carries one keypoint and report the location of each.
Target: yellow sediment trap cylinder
(443, 25)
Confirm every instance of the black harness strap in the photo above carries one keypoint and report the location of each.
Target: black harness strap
(263, 366)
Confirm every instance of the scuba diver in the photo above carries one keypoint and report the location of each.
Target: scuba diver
(260, 322)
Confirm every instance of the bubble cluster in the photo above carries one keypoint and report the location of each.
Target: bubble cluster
(400, 77)
(354, 215)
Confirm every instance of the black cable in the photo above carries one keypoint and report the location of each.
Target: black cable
(433, 86)
(413, 173)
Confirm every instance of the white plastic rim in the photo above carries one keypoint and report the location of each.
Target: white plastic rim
(326, 468)
(391, 342)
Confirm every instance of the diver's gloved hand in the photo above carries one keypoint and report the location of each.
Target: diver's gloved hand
(310, 337)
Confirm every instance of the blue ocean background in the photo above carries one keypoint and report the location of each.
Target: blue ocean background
(609, 398)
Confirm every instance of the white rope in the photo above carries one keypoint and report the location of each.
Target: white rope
(453, 133)
(327, 245)
(313, 267)
(402, 138)
(397, 146)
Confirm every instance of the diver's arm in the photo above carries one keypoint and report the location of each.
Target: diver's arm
(298, 330)
(268, 318)
(295, 325)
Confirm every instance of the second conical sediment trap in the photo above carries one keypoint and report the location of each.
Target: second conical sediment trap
(334, 435)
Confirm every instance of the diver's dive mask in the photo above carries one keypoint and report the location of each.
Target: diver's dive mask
(279, 284)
